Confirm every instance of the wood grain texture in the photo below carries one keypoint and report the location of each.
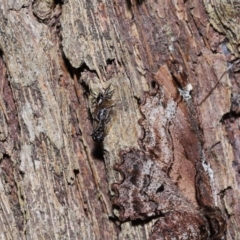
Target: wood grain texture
(173, 66)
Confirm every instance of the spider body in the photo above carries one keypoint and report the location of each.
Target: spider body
(99, 133)
(101, 114)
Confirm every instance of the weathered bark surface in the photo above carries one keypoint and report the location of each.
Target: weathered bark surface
(169, 165)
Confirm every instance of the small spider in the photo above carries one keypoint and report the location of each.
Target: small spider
(101, 114)
(102, 96)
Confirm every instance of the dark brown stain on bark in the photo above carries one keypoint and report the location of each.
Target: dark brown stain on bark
(9, 147)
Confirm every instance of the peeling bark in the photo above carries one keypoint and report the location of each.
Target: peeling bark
(167, 163)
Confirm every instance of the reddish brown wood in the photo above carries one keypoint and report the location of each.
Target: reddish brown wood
(174, 69)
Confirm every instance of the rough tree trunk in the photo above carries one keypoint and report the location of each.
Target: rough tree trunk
(169, 165)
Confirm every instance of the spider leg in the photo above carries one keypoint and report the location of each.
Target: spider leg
(95, 118)
(107, 93)
(107, 89)
(90, 116)
(94, 102)
(107, 118)
(92, 93)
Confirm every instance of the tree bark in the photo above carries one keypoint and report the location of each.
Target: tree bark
(156, 83)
